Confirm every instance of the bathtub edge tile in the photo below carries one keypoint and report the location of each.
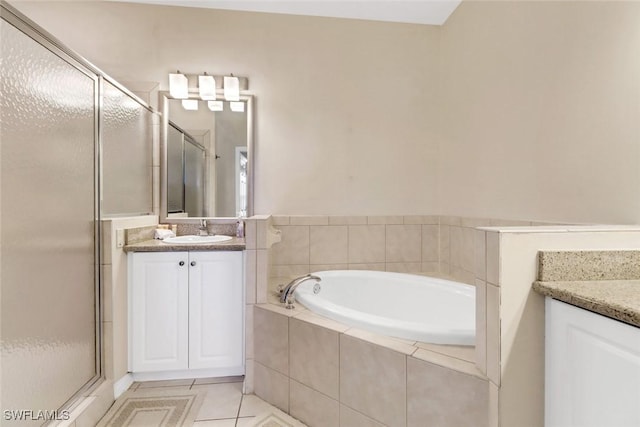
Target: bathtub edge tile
(398, 345)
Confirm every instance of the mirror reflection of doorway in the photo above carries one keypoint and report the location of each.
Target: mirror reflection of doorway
(241, 163)
(186, 178)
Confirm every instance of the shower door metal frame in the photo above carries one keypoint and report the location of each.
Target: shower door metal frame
(46, 40)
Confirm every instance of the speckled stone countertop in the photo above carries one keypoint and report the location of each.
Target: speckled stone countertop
(235, 244)
(605, 282)
(617, 299)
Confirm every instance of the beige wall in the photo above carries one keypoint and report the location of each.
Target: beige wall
(345, 119)
(540, 113)
(517, 110)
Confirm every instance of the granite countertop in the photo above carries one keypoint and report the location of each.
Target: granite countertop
(153, 245)
(617, 299)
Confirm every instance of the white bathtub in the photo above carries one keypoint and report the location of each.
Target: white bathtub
(416, 308)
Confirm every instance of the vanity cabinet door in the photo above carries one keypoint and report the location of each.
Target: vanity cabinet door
(592, 368)
(216, 312)
(159, 311)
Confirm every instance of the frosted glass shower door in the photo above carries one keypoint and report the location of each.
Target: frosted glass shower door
(48, 225)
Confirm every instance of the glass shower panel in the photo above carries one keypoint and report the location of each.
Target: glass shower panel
(175, 171)
(47, 226)
(126, 154)
(193, 179)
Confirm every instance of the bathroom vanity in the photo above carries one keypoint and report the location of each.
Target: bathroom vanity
(592, 355)
(186, 310)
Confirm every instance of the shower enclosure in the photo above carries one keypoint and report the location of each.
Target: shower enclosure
(64, 126)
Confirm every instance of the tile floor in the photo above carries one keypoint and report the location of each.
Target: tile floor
(224, 404)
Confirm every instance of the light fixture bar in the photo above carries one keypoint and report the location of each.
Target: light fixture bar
(215, 105)
(190, 104)
(207, 87)
(231, 88)
(237, 106)
(178, 86)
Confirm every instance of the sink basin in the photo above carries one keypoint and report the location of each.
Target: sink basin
(196, 240)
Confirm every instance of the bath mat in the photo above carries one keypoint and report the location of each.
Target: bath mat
(276, 418)
(154, 408)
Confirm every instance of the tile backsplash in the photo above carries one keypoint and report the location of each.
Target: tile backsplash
(446, 245)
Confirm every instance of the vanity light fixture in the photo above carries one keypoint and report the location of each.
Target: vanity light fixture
(231, 88)
(215, 105)
(178, 85)
(190, 104)
(207, 87)
(238, 107)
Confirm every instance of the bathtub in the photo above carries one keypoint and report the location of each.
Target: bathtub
(417, 308)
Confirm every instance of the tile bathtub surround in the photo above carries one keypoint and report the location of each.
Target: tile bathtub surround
(386, 243)
(342, 376)
(588, 265)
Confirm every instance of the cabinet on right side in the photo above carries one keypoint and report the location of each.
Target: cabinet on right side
(592, 369)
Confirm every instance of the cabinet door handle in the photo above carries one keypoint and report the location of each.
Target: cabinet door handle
(193, 263)
(181, 263)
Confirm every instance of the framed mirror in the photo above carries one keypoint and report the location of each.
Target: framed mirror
(206, 158)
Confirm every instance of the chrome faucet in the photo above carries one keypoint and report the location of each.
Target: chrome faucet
(287, 292)
(202, 230)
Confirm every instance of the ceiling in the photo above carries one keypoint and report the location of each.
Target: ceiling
(432, 12)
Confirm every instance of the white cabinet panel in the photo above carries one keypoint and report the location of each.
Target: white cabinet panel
(159, 311)
(216, 311)
(592, 369)
(187, 313)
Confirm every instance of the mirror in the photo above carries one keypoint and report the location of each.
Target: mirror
(206, 158)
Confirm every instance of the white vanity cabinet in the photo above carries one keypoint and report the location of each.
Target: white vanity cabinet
(186, 313)
(592, 366)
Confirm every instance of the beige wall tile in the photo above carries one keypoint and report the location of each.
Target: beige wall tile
(451, 220)
(321, 321)
(366, 244)
(262, 275)
(329, 244)
(475, 222)
(271, 339)
(440, 397)
(481, 326)
(445, 244)
(248, 385)
(280, 220)
(289, 271)
(369, 266)
(347, 220)
(372, 220)
(399, 345)
(327, 267)
(430, 267)
(462, 275)
(107, 351)
(430, 243)
(313, 408)
(351, 418)
(480, 254)
(462, 352)
(404, 267)
(250, 275)
(271, 386)
(445, 268)
(250, 233)
(294, 246)
(456, 246)
(313, 357)
(373, 381)
(493, 333)
(308, 220)
(403, 243)
(467, 259)
(107, 242)
(261, 233)
(421, 219)
(248, 332)
(106, 291)
(458, 365)
(493, 258)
